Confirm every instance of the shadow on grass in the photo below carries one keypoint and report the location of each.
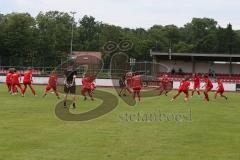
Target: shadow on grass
(110, 102)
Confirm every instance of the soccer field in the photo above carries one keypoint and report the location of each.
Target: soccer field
(30, 130)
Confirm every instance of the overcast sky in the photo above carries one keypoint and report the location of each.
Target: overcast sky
(135, 13)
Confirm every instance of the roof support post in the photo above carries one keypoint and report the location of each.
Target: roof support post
(153, 66)
(193, 65)
(230, 67)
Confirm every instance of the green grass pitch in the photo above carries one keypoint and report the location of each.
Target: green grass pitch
(30, 130)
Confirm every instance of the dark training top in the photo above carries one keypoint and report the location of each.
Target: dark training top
(122, 82)
(69, 75)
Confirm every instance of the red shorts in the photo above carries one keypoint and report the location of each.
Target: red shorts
(220, 91)
(137, 88)
(196, 86)
(8, 83)
(27, 82)
(164, 86)
(15, 83)
(85, 89)
(88, 90)
(49, 87)
(183, 90)
(208, 88)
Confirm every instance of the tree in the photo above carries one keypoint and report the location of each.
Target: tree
(88, 34)
(232, 40)
(45, 40)
(183, 47)
(157, 35)
(18, 39)
(54, 36)
(196, 32)
(2, 37)
(171, 32)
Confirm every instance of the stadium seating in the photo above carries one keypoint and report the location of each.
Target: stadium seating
(235, 78)
(35, 72)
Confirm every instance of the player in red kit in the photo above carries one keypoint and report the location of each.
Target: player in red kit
(52, 84)
(93, 86)
(9, 80)
(27, 81)
(164, 83)
(129, 82)
(137, 85)
(208, 87)
(14, 88)
(16, 82)
(86, 87)
(220, 89)
(184, 87)
(196, 84)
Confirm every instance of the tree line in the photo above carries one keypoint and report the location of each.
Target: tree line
(44, 40)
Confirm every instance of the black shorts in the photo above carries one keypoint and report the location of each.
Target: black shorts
(70, 89)
(122, 84)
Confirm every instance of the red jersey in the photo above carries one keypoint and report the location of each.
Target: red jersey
(184, 85)
(52, 81)
(136, 81)
(9, 78)
(86, 83)
(181, 82)
(208, 83)
(27, 76)
(165, 80)
(15, 78)
(220, 85)
(196, 80)
(129, 80)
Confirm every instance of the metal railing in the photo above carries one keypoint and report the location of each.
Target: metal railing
(103, 73)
